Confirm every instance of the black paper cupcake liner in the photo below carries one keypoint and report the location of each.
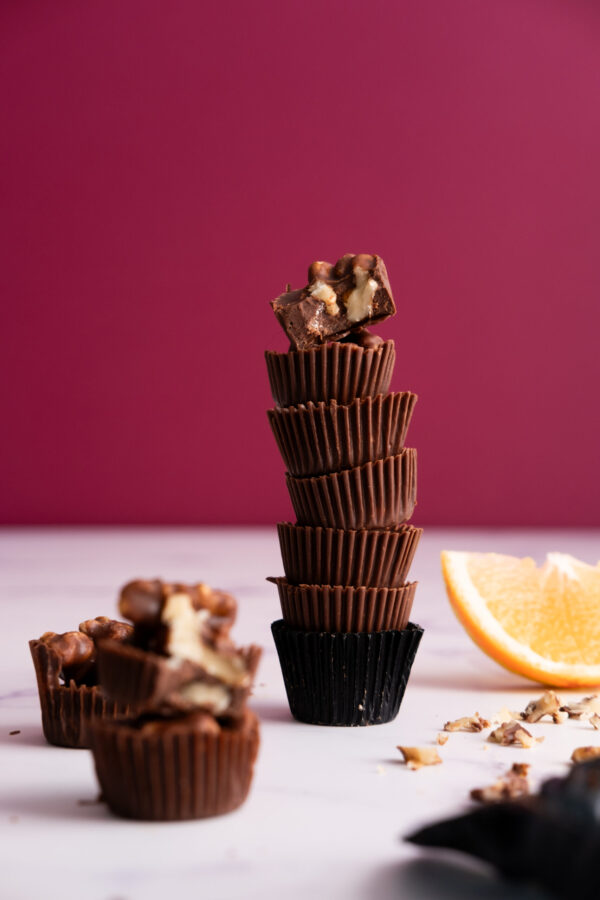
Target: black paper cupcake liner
(379, 495)
(315, 438)
(345, 679)
(370, 557)
(326, 607)
(175, 775)
(332, 372)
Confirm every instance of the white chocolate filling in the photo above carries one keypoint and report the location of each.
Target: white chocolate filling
(210, 696)
(358, 302)
(185, 641)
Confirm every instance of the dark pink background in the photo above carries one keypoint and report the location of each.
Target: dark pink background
(168, 167)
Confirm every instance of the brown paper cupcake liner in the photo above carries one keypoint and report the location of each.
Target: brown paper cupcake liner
(324, 607)
(176, 774)
(317, 438)
(332, 372)
(146, 680)
(332, 556)
(345, 679)
(381, 494)
(68, 711)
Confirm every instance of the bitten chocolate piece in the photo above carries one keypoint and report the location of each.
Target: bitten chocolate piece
(179, 660)
(67, 679)
(337, 300)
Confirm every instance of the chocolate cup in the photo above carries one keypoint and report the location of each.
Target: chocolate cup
(147, 681)
(325, 437)
(380, 494)
(337, 608)
(332, 556)
(332, 372)
(68, 711)
(345, 679)
(175, 775)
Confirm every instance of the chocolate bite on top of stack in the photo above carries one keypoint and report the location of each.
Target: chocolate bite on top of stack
(188, 749)
(345, 642)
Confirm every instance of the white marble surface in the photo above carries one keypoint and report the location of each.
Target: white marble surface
(328, 807)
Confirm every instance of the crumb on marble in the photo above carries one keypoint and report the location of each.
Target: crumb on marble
(582, 754)
(416, 757)
(467, 723)
(513, 733)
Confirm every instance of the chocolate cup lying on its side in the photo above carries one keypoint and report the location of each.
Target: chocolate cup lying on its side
(318, 438)
(380, 494)
(370, 557)
(146, 680)
(68, 710)
(177, 774)
(325, 607)
(332, 372)
(345, 679)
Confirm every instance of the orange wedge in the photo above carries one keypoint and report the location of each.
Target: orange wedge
(541, 623)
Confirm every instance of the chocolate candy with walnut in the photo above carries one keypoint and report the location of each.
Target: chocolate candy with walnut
(336, 300)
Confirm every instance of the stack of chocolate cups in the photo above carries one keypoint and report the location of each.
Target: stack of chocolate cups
(345, 642)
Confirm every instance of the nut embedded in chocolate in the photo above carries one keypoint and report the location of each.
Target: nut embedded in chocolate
(67, 679)
(179, 662)
(336, 300)
(144, 601)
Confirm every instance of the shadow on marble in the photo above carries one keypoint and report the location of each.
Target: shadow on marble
(436, 879)
(272, 712)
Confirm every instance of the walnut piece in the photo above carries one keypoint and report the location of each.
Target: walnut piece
(467, 723)
(595, 721)
(512, 785)
(584, 708)
(415, 757)
(442, 738)
(582, 754)
(513, 733)
(548, 704)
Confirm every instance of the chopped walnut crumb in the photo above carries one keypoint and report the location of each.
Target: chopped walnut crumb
(415, 757)
(442, 738)
(582, 754)
(584, 708)
(595, 721)
(513, 733)
(548, 704)
(512, 785)
(467, 723)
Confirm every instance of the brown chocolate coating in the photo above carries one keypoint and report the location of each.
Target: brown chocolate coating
(309, 321)
(102, 628)
(143, 601)
(362, 338)
(74, 652)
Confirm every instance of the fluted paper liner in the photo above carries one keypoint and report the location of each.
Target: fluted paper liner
(381, 494)
(176, 774)
(316, 438)
(333, 556)
(325, 607)
(345, 679)
(331, 372)
(144, 680)
(68, 710)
